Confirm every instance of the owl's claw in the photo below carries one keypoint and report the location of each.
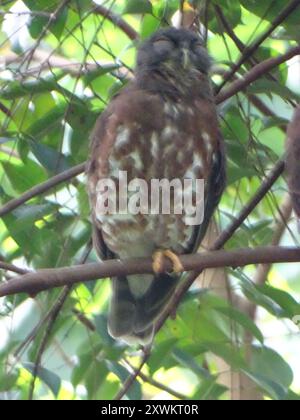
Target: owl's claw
(158, 261)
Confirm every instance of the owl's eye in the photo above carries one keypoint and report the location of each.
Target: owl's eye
(163, 45)
(198, 48)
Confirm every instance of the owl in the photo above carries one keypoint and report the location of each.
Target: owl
(162, 126)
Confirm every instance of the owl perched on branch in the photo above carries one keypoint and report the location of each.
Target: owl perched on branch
(163, 125)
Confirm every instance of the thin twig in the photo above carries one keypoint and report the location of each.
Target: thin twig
(157, 384)
(250, 50)
(42, 188)
(255, 73)
(242, 47)
(53, 314)
(131, 378)
(5, 110)
(14, 269)
(26, 13)
(281, 221)
(52, 317)
(250, 206)
(118, 21)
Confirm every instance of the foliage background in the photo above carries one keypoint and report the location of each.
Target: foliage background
(60, 63)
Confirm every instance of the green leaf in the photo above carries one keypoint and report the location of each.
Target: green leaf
(209, 390)
(8, 377)
(15, 89)
(271, 388)
(165, 9)
(270, 9)
(47, 121)
(232, 12)
(186, 360)
(252, 292)
(91, 369)
(269, 363)
(242, 320)
(24, 177)
(270, 372)
(160, 353)
(232, 355)
(288, 304)
(52, 160)
(51, 379)
(150, 24)
(137, 7)
(134, 392)
(37, 24)
(99, 71)
(268, 86)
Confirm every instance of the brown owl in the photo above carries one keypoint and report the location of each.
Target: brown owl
(163, 125)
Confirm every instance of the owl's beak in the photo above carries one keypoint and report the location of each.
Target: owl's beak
(185, 58)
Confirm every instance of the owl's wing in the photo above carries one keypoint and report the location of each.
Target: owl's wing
(293, 161)
(98, 137)
(216, 177)
(214, 190)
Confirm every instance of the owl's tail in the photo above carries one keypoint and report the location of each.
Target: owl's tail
(132, 318)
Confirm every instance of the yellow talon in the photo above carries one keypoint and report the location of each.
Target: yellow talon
(158, 261)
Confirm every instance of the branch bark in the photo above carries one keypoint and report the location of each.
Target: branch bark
(5, 110)
(41, 188)
(255, 73)
(118, 21)
(35, 282)
(249, 51)
(14, 269)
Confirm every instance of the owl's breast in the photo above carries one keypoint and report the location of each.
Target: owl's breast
(177, 145)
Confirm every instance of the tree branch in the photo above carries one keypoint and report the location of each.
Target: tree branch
(118, 21)
(250, 206)
(41, 188)
(5, 110)
(249, 51)
(53, 314)
(255, 73)
(45, 279)
(14, 269)
(157, 384)
(279, 228)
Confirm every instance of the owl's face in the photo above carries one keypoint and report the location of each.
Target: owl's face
(173, 49)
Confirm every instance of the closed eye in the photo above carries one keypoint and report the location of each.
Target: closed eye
(198, 48)
(163, 45)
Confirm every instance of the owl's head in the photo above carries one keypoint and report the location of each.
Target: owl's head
(173, 49)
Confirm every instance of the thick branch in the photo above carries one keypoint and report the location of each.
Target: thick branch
(35, 282)
(41, 188)
(255, 73)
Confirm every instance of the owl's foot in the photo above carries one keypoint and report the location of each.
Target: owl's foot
(158, 261)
